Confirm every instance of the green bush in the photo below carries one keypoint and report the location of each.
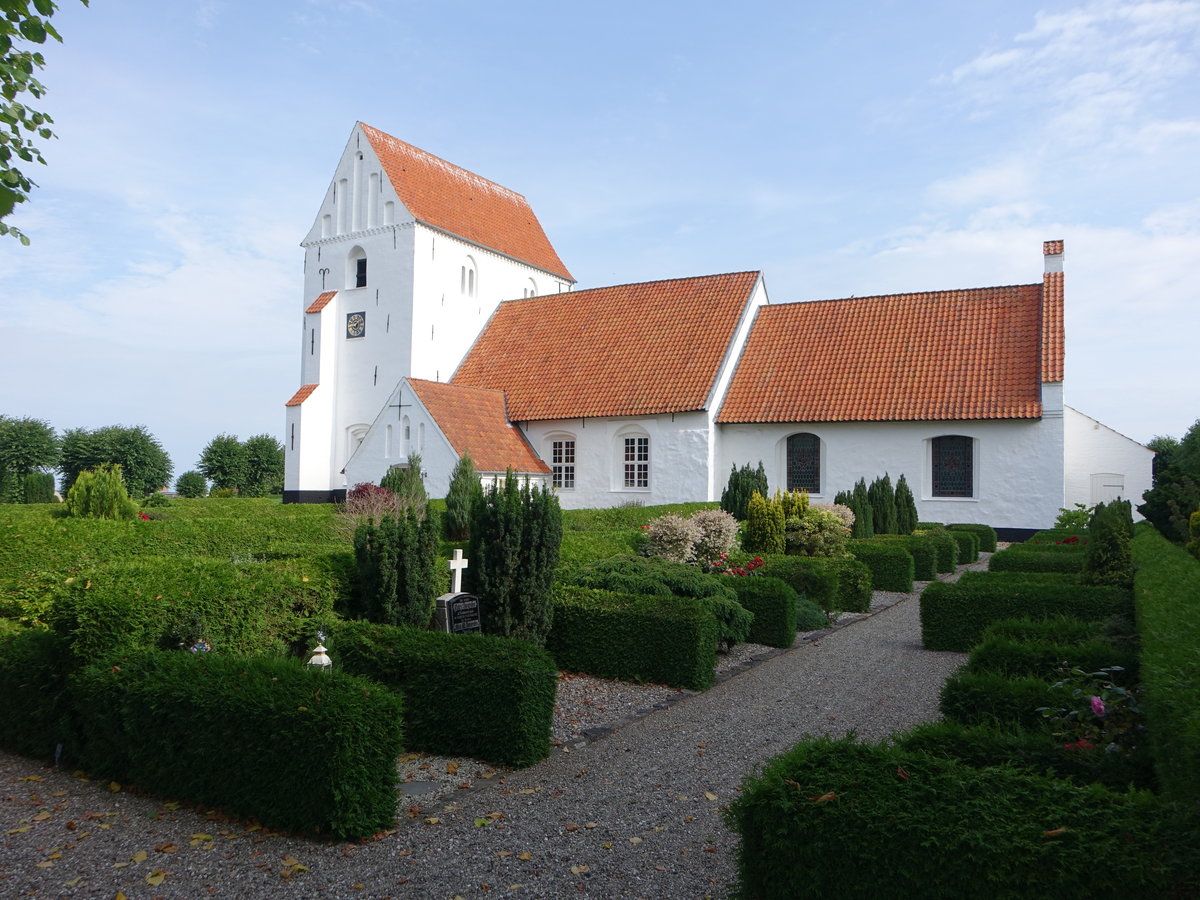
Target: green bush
(408, 484)
(264, 738)
(988, 698)
(397, 570)
(883, 506)
(1043, 658)
(1035, 752)
(774, 605)
(1167, 585)
(954, 615)
(1010, 560)
(921, 547)
(480, 696)
(1193, 545)
(741, 486)
(151, 602)
(811, 579)
(191, 484)
(1013, 576)
(968, 545)
(765, 526)
(1169, 504)
(891, 565)
(1107, 558)
(839, 819)
(99, 494)
(946, 547)
(1053, 630)
(854, 583)
(665, 639)
(38, 487)
(985, 533)
(33, 705)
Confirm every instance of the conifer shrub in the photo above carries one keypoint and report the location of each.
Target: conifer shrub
(985, 533)
(408, 484)
(891, 565)
(864, 513)
(765, 526)
(774, 604)
(100, 493)
(397, 581)
(658, 639)
(1107, 558)
(883, 505)
(816, 531)
(954, 615)
(464, 492)
(906, 509)
(480, 696)
(742, 485)
(38, 487)
(838, 819)
(261, 738)
(516, 533)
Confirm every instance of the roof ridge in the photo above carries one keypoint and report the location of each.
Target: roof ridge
(630, 284)
(990, 287)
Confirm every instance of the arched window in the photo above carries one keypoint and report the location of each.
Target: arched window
(356, 268)
(530, 289)
(804, 463)
(633, 455)
(953, 466)
(354, 436)
(405, 436)
(468, 278)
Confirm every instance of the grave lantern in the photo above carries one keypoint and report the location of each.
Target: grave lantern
(320, 658)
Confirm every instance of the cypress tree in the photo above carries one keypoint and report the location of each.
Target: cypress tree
(742, 484)
(397, 580)
(863, 516)
(906, 508)
(465, 491)
(883, 505)
(765, 526)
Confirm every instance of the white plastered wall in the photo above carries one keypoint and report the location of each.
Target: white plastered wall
(1018, 464)
(1103, 464)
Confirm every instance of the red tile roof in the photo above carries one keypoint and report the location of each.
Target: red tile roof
(1052, 326)
(474, 421)
(633, 349)
(321, 302)
(301, 395)
(970, 354)
(1052, 248)
(452, 199)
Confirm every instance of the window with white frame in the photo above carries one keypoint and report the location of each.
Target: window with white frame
(562, 463)
(804, 463)
(953, 469)
(468, 278)
(636, 462)
(356, 268)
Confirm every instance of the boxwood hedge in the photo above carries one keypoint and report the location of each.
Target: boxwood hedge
(985, 533)
(486, 697)
(968, 545)
(1010, 560)
(891, 566)
(834, 583)
(774, 604)
(922, 546)
(33, 702)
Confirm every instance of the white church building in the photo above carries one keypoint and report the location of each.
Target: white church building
(439, 320)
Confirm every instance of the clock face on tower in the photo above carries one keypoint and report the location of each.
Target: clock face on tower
(356, 324)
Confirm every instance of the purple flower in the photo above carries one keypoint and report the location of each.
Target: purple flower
(1098, 706)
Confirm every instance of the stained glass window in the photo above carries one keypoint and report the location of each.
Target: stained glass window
(804, 463)
(953, 470)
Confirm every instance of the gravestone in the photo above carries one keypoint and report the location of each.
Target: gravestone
(458, 613)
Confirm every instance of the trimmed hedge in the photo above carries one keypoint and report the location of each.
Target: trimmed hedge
(921, 547)
(1010, 560)
(33, 703)
(150, 603)
(1043, 658)
(774, 605)
(1056, 630)
(947, 549)
(1036, 752)
(954, 615)
(968, 545)
(486, 697)
(892, 567)
(1167, 587)
(986, 698)
(1014, 576)
(985, 533)
(263, 738)
(666, 640)
(834, 583)
(839, 819)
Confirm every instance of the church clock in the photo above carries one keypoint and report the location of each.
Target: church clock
(356, 324)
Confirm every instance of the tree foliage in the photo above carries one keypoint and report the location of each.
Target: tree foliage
(24, 22)
(742, 484)
(143, 461)
(764, 526)
(883, 505)
(516, 533)
(264, 466)
(223, 462)
(1176, 492)
(906, 508)
(27, 446)
(397, 560)
(408, 483)
(100, 493)
(191, 484)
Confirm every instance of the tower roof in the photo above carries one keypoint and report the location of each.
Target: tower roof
(451, 199)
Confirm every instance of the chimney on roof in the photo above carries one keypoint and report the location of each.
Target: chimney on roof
(1053, 251)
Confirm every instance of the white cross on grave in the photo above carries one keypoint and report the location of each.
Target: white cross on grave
(457, 564)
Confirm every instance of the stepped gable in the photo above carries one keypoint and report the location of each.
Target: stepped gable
(450, 198)
(627, 350)
(965, 354)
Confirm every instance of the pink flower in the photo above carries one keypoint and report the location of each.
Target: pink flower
(1097, 706)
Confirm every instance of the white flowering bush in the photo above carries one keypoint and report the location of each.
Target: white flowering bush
(672, 537)
(817, 532)
(717, 534)
(843, 512)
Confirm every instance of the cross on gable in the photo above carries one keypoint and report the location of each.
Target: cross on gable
(457, 564)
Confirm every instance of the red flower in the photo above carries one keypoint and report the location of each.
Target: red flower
(143, 516)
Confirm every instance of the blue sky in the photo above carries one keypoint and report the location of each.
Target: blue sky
(856, 149)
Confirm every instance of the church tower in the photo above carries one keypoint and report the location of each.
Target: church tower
(407, 259)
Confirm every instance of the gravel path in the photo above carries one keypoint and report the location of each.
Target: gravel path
(629, 812)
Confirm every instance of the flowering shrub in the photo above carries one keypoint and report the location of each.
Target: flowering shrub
(722, 566)
(818, 532)
(717, 533)
(1104, 713)
(367, 501)
(672, 537)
